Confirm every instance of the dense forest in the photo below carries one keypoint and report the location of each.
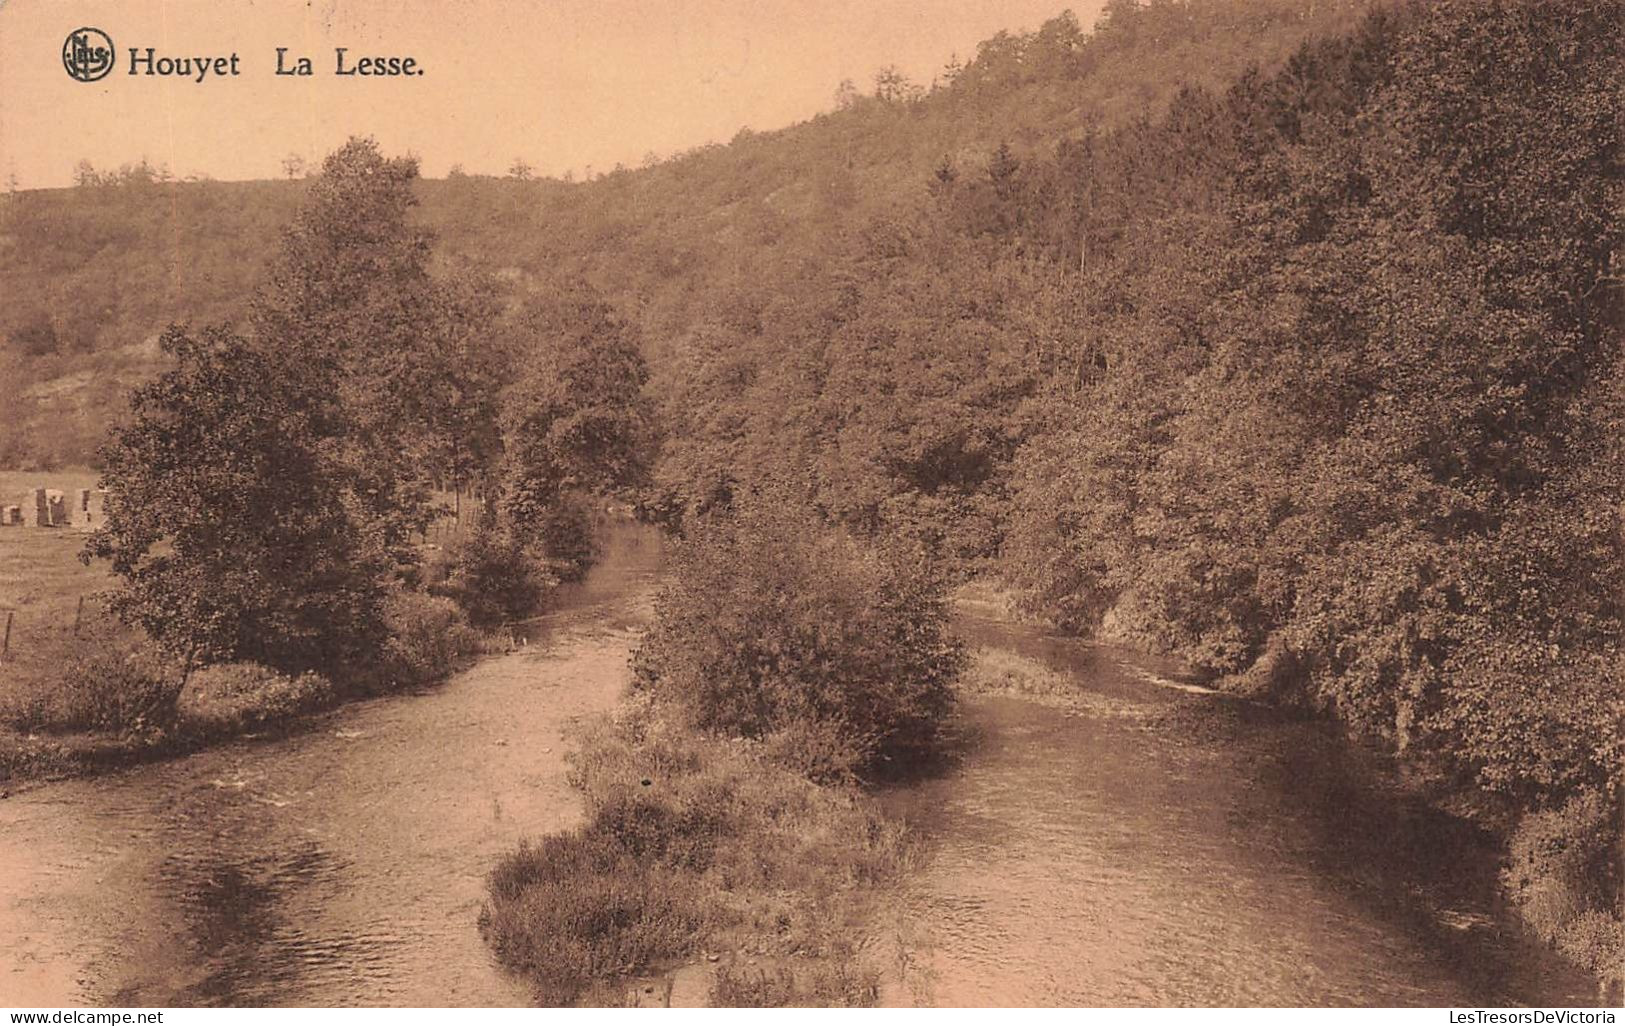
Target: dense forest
(1281, 337)
(94, 274)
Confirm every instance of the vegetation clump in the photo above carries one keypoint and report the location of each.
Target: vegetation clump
(103, 678)
(786, 663)
(492, 575)
(427, 638)
(1563, 874)
(691, 844)
(837, 655)
(229, 698)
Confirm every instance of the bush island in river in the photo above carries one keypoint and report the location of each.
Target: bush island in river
(694, 844)
(787, 661)
(836, 654)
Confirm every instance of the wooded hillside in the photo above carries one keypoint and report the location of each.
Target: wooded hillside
(1280, 337)
(93, 274)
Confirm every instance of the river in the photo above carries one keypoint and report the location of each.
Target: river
(1146, 846)
(344, 865)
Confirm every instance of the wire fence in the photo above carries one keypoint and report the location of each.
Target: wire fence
(23, 628)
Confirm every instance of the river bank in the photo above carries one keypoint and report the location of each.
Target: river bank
(83, 694)
(1122, 836)
(342, 864)
(1106, 835)
(218, 706)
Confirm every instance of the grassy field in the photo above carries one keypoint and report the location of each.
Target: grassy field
(41, 578)
(41, 585)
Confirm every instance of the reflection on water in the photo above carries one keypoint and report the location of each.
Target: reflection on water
(1150, 846)
(343, 865)
(1147, 846)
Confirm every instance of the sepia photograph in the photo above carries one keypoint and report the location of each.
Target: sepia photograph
(835, 504)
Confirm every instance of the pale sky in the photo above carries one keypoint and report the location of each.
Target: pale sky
(562, 83)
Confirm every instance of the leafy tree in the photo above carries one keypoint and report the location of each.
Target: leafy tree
(492, 573)
(399, 364)
(575, 419)
(846, 95)
(223, 520)
(892, 86)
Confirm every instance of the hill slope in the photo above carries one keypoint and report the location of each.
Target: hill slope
(94, 273)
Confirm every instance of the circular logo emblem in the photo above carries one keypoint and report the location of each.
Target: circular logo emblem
(87, 54)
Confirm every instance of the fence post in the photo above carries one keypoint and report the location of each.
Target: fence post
(78, 616)
(5, 646)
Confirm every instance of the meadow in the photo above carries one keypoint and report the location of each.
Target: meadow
(41, 578)
(79, 690)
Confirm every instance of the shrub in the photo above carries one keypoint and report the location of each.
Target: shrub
(683, 835)
(566, 532)
(237, 696)
(1563, 874)
(688, 840)
(774, 628)
(103, 679)
(578, 908)
(428, 637)
(492, 575)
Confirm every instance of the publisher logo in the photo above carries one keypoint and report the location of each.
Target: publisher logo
(87, 54)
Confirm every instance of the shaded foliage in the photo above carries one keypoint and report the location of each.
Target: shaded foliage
(774, 629)
(574, 419)
(223, 520)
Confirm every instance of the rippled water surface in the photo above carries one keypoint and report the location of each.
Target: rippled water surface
(344, 865)
(1145, 845)
(1135, 844)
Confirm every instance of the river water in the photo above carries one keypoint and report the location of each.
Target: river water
(1146, 845)
(344, 865)
(1139, 846)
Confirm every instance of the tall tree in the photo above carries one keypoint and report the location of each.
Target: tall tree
(406, 365)
(223, 519)
(575, 418)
